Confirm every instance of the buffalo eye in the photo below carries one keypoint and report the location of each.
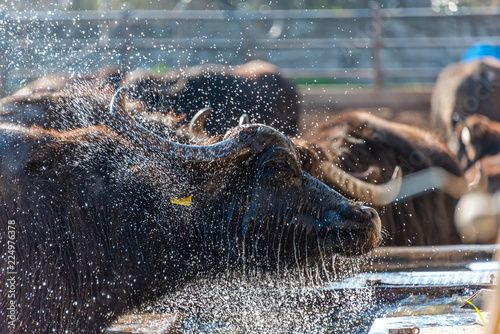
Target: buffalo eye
(281, 166)
(282, 169)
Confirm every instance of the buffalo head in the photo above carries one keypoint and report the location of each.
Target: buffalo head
(252, 196)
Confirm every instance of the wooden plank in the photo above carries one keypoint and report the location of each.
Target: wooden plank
(390, 286)
(474, 329)
(147, 324)
(416, 278)
(450, 252)
(429, 257)
(442, 323)
(479, 299)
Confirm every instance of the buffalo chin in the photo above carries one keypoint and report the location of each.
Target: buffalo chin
(351, 239)
(366, 241)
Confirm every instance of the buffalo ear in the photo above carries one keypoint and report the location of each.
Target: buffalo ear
(310, 160)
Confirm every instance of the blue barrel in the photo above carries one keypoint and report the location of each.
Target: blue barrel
(479, 51)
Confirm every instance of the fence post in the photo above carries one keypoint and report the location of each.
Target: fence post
(377, 45)
(124, 54)
(104, 36)
(248, 44)
(3, 69)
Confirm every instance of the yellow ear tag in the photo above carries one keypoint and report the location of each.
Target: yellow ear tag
(181, 201)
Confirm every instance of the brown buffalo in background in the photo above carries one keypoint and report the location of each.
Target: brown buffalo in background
(62, 103)
(162, 102)
(370, 148)
(256, 88)
(465, 111)
(464, 89)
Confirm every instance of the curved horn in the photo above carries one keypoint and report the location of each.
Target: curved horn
(480, 182)
(230, 149)
(434, 178)
(244, 119)
(376, 194)
(197, 124)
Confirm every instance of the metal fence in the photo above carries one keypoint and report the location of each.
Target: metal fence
(376, 45)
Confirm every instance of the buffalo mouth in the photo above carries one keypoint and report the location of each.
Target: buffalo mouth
(313, 238)
(356, 234)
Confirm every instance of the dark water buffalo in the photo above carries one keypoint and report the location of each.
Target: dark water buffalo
(68, 108)
(370, 148)
(463, 89)
(97, 220)
(107, 76)
(69, 104)
(256, 88)
(164, 102)
(61, 101)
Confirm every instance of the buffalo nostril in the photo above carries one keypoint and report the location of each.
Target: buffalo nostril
(372, 215)
(370, 212)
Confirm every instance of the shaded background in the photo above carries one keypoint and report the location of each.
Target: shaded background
(353, 42)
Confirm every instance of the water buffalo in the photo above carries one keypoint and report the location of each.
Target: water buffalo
(97, 220)
(256, 88)
(164, 102)
(107, 76)
(463, 89)
(370, 148)
(76, 105)
(80, 102)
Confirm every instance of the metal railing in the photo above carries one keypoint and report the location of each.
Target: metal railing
(337, 44)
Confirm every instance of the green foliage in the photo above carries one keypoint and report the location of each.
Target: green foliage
(313, 81)
(160, 68)
(85, 5)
